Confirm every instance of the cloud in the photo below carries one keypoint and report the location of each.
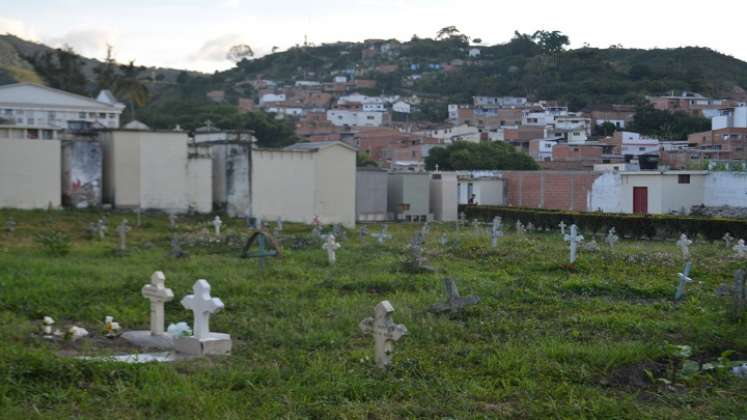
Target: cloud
(17, 28)
(89, 42)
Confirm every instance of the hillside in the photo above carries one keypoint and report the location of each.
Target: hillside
(440, 71)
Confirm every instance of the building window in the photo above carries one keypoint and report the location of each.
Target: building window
(81, 115)
(47, 134)
(51, 115)
(641, 149)
(102, 115)
(32, 134)
(8, 112)
(683, 179)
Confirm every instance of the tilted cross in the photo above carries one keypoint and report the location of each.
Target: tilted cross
(574, 239)
(158, 294)
(262, 250)
(454, 301)
(385, 332)
(216, 225)
(740, 248)
(202, 305)
(684, 245)
(684, 279)
(331, 247)
(562, 226)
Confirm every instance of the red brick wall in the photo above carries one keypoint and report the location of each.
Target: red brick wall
(563, 190)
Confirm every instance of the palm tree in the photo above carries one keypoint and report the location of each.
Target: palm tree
(129, 87)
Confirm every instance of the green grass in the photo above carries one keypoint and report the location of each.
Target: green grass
(546, 340)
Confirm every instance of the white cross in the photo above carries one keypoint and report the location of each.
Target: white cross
(740, 248)
(385, 332)
(122, 230)
(383, 235)
(158, 294)
(684, 279)
(102, 229)
(684, 245)
(562, 226)
(216, 225)
(202, 305)
(575, 239)
(496, 232)
(612, 238)
(280, 223)
(520, 228)
(331, 247)
(172, 220)
(728, 239)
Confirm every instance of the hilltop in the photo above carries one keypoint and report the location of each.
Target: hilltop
(447, 70)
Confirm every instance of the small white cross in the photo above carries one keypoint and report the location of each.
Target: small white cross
(612, 238)
(122, 230)
(331, 247)
(684, 245)
(202, 305)
(575, 239)
(684, 279)
(740, 248)
(158, 294)
(562, 226)
(385, 332)
(216, 225)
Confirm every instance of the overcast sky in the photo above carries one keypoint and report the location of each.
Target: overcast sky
(196, 34)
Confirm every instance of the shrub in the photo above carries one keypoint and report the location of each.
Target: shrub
(54, 243)
(627, 225)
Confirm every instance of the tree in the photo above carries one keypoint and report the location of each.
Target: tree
(130, 88)
(239, 53)
(447, 32)
(106, 72)
(479, 156)
(275, 49)
(62, 69)
(667, 125)
(552, 42)
(363, 160)
(182, 78)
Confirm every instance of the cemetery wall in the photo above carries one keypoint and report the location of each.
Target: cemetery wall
(409, 194)
(30, 173)
(726, 189)
(335, 185)
(199, 184)
(121, 169)
(371, 194)
(606, 193)
(284, 184)
(163, 180)
(82, 172)
(232, 177)
(444, 197)
(666, 194)
(562, 190)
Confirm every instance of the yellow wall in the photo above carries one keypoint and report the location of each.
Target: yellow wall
(30, 173)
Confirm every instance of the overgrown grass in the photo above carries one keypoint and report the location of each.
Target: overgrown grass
(546, 340)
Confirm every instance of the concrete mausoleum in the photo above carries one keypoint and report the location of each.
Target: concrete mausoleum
(371, 194)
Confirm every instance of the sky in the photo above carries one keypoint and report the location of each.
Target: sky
(196, 34)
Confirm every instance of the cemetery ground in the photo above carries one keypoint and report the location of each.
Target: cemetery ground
(600, 338)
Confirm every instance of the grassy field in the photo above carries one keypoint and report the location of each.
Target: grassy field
(594, 340)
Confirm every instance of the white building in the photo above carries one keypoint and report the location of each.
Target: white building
(343, 117)
(452, 134)
(736, 118)
(633, 144)
(272, 97)
(46, 109)
(401, 107)
(474, 52)
(304, 181)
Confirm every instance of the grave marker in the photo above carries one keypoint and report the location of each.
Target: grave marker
(574, 239)
(331, 247)
(122, 230)
(384, 235)
(263, 240)
(217, 223)
(728, 239)
(740, 248)
(612, 238)
(683, 280)
(10, 225)
(172, 221)
(158, 294)
(203, 342)
(102, 228)
(385, 332)
(562, 226)
(684, 245)
(454, 302)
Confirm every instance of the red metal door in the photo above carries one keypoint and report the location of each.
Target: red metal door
(640, 200)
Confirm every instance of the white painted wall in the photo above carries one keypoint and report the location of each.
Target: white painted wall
(444, 197)
(726, 189)
(30, 174)
(340, 117)
(199, 184)
(606, 193)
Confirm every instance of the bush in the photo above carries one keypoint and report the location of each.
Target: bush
(626, 225)
(54, 243)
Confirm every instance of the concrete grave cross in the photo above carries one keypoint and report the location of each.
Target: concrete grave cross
(683, 280)
(382, 236)
(172, 220)
(217, 223)
(574, 239)
(520, 229)
(362, 233)
(495, 232)
(425, 229)
(444, 240)
(385, 332)
(612, 238)
(728, 239)
(122, 230)
(562, 226)
(101, 228)
(331, 246)
(454, 301)
(158, 294)
(202, 305)
(740, 248)
(279, 223)
(684, 245)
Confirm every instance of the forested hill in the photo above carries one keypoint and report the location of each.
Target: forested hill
(441, 69)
